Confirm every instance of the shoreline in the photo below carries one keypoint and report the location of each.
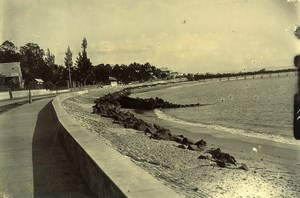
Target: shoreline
(172, 171)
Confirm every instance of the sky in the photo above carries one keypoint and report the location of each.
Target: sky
(189, 36)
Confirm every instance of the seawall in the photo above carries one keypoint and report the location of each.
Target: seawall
(25, 93)
(107, 172)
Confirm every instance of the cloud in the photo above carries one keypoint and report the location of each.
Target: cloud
(217, 35)
(129, 46)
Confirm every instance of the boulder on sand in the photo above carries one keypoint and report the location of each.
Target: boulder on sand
(140, 126)
(200, 143)
(218, 155)
(244, 167)
(220, 163)
(187, 141)
(182, 146)
(206, 157)
(193, 147)
(203, 157)
(178, 139)
(162, 134)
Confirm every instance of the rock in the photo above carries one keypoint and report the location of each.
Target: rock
(218, 155)
(148, 134)
(182, 146)
(187, 141)
(162, 134)
(95, 109)
(140, 126)
(128, 125)
(244, 167)
(203, 157)
(178, 139)
(118, 117)
(157, 127)
(200, 143)
(150, 130)
(220, 163)
(193, 147)
(117, 122)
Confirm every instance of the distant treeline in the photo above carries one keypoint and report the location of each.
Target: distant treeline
(227, 75)
(36, 63)
(126, 73)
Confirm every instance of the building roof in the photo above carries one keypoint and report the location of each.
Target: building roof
(10, 69)
(38, 80)
(112, 79)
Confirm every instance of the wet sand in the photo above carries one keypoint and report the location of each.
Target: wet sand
(274, 168)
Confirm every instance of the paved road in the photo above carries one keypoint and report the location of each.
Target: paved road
(33, 162)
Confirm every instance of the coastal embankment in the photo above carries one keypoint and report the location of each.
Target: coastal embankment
(272, 167)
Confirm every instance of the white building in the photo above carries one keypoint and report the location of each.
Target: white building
(11, 74)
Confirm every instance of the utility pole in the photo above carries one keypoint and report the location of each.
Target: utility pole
(29, 93)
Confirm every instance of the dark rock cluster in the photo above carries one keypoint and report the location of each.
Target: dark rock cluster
(148, 104)
(221, 158)
(110, 106)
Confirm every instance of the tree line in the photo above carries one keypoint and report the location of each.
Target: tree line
(37, 63)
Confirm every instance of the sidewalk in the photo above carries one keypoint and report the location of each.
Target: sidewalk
(33, 162)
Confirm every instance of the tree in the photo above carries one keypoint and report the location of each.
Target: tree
(102, 72)
(50, 67)
(69, 64)
(116, 72)
(84, 66)
(9, 52)
(190, 76)
(50, 58)
(145, 72)
(32, 62)
(135, 72)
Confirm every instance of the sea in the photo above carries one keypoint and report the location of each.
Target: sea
(259, 108)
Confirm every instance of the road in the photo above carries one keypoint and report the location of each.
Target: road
(33, 162)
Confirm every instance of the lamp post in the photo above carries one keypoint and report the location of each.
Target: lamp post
(29, 93)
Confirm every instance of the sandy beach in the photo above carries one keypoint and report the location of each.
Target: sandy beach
(273, 167)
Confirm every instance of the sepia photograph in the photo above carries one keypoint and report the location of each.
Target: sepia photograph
(149, 98)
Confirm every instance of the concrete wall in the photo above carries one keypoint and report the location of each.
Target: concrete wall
(24, 93)
(4, 96)
(107, 172)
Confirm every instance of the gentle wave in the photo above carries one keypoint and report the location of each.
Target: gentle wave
(275, 138)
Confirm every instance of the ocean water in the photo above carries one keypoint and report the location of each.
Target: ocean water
(260, 108)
